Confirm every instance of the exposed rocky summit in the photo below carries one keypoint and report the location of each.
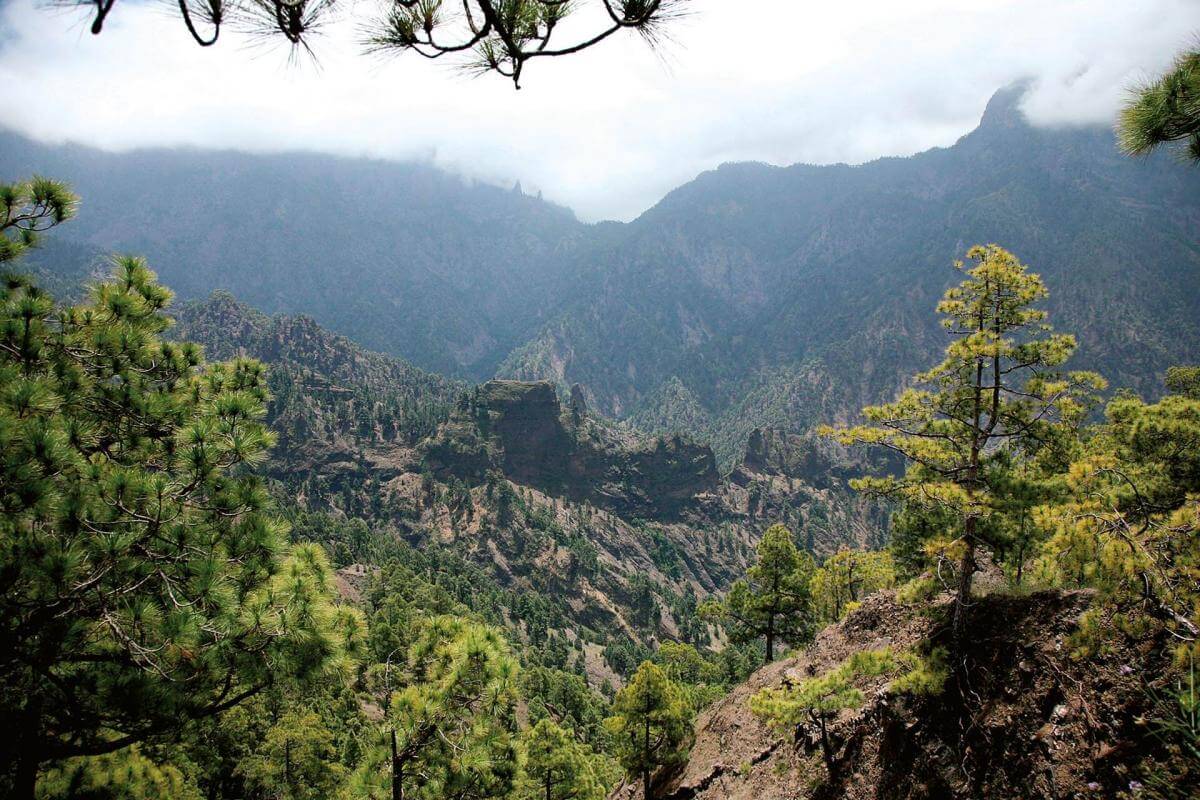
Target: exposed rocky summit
(521, 430)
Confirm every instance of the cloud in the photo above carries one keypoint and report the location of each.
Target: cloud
(609, 131)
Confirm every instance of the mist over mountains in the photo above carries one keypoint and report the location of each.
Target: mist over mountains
(751, 296)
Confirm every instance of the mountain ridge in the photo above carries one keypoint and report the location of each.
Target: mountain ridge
(754, 296)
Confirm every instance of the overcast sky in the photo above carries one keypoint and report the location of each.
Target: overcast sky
(608, 132)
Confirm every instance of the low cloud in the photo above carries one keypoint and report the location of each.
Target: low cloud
(610, 131)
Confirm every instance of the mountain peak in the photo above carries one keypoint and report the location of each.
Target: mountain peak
(1004, 108)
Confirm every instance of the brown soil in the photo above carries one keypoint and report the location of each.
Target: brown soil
(1028, 721)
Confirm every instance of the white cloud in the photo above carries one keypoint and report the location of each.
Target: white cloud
(609, 131)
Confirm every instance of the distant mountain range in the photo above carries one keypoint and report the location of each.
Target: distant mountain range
(753, 296)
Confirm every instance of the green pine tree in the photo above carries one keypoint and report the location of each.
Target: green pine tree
(651, 724)
(1165, 111)
(449, 730)
(846, 577)
(29, 208)
(996, 397)
(145, 579)
(773, 601)
(557, 767)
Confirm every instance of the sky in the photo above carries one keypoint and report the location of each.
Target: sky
(609, 131)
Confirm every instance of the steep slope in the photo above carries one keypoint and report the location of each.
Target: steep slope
(331, 399)
(758, 295)
(404, 258)
(1036, 723)
(615, 532)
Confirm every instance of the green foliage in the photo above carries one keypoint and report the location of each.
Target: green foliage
(1175, 721)
(567, 700)
(124, 775)
(773, 602)
(913, 526)
(846, 577)
(703, 678)
(146, 579)
(29, 208)
(295, 761)
(995, 399)
(819, 700)
(926, 675)
(450, 722)
(1164, 111)
(1129, 523)
(651, 723)
(917, 590)
(557, 767)
(1184, 381)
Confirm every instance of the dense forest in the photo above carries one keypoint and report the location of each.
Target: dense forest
(811, 482)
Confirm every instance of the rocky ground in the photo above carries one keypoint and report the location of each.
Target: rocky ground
(1029, 721)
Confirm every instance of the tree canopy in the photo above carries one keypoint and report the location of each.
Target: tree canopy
(145, 578)
(773, 601)
(651, 724)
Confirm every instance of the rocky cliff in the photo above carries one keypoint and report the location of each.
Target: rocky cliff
(522, 431)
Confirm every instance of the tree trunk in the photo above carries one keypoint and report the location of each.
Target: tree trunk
(25, 779)
(962, 599)
(397, 772)
(646, 769)
(770, 639)
(27, 751)
(826, 746)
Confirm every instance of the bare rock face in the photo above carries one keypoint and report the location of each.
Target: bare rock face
(521, 430)
(816, 460)
(1028, 720)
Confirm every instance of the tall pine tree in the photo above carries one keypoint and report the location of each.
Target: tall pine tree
(144, 580)
(997, 396)
(773, 601)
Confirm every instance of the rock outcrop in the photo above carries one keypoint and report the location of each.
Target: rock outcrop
(521, 430)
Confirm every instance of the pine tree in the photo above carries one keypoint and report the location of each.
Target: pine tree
(296, 760)
(1130, 524)
(819, 700)
(1184, 381)
(995, 397)
(1165, 111)
(557, 767)
(448, 732)
(651, 724)
(492, 35)
(846, 577)
(29, 208)
(144, 580)
(773, 601)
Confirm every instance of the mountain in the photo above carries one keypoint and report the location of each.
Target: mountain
(330, 398)
(404, 258)
(618, 532)
(752, 297)
(759, 295)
